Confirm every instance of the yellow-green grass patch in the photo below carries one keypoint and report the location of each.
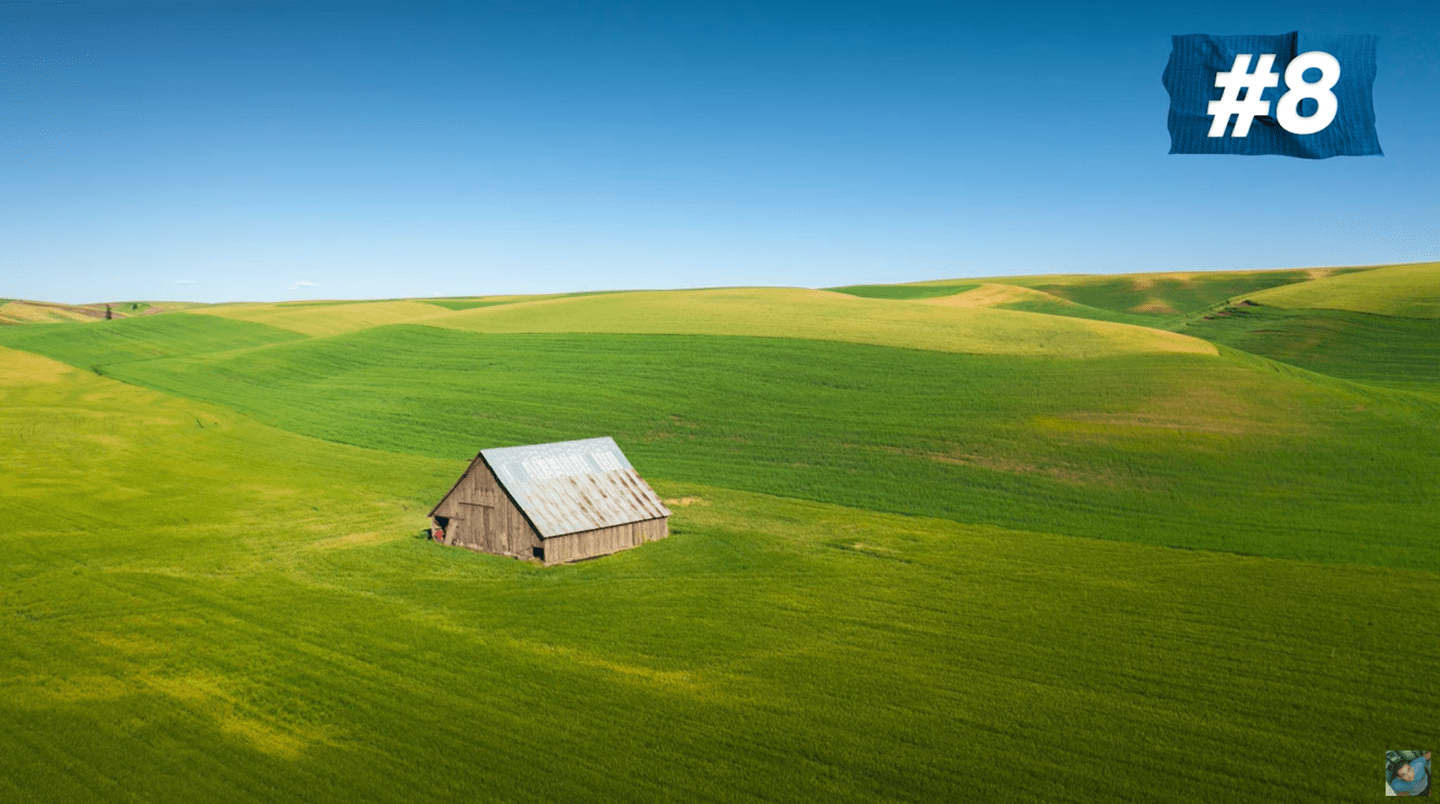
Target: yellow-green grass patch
(993, 294)
(1407, 291)
(328, 319)
(823, 315)
(87, 455)
(1149, 279)
(1136, 298)
(20, 311)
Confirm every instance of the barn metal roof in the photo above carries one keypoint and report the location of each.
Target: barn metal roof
(573, 486)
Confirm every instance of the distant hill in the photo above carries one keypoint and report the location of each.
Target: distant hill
(821, 315)
(1375, 324)
(21, 311)
(1379, 326)
(1138, 298)
(1402, 291)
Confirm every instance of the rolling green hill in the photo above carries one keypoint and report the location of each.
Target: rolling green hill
(1029, 300)
(1379, 326)
(136, 339)
(1375, 349)
(1405, 291)
(20, 311)
(797, 313)
(1133, 298)
(919, 536)
(1163, 295)
(966, 437)
(326, 318)
(916, 291)
(220, 610)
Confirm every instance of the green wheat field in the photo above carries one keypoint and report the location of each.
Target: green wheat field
(1054, 538)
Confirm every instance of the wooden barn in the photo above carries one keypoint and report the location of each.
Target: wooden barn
(554, 502)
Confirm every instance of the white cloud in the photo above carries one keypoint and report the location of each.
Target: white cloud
(299, 285)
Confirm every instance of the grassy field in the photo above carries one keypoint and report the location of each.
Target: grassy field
(228, 612)
(20, 311)
(1406, 291)
(994, 294)
(330, 318)
(909, 292)
(797, 313)
(1028, 300)
(1220, 440)
(897, 569)
(1380, 350)
(140, 339)
(319, 318)
(1154, 297)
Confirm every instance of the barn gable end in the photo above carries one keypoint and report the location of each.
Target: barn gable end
(560, 502)
(483, 517)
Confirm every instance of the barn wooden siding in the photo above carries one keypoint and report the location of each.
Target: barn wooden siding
(575, 546)
(483, 517)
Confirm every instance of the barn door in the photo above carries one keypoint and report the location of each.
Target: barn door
(486, 533)
(501, 535)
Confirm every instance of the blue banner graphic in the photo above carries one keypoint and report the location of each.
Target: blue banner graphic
(1292, 94)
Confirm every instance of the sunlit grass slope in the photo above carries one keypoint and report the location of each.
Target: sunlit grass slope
(471, 302)
(995, 294)
(1407, 291)
(1028, 300)
(103, 343)
(327, 318)
(822, 315)
(20, 311)
(1228, 453)
(1153, 297)
(319, 318)
(1164, 295)
(200, 608)
(88, 456)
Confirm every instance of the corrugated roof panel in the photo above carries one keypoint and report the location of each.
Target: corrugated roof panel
(573, 486)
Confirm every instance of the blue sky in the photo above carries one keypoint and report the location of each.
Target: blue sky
(269, 150)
